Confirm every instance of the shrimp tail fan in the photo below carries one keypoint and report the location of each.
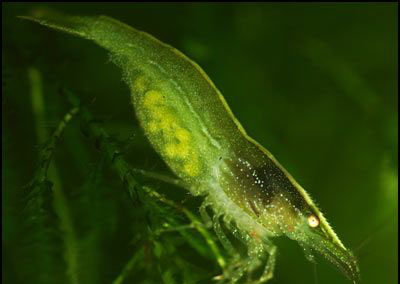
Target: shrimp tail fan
(105, 31)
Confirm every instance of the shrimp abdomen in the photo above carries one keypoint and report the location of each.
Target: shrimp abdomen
(182, 113)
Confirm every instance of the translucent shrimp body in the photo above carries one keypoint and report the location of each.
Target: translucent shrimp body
(190, 125)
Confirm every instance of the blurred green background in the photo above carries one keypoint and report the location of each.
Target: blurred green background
(316, 84)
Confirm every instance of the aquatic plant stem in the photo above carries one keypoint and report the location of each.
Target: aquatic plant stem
(48, 171)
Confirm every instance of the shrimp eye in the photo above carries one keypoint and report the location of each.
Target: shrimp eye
(313, 221)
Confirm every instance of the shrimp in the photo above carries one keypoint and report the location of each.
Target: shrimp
(190, 125)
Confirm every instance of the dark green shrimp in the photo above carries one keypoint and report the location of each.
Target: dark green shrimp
(190, 125)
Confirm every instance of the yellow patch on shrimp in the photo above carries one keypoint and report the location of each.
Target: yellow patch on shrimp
(191, 166)
(182, 134)
(167, 122)
(177, 150)
(175, 140)
(140, 84)
(184, 149)
(171, 150)
(153, 127)
(152, 98)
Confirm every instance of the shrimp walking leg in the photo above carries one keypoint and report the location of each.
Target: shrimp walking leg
(268, 272)
(222, 236)
(205, 216)
(257, 253)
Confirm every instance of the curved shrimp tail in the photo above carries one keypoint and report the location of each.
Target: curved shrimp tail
(75, 25)
(105, 31)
